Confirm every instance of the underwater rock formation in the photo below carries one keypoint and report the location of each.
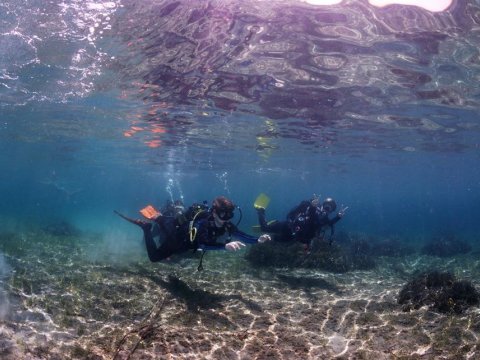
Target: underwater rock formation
(358, 255)
(275, 254)
(440, 291)
(445, 246)
(322, 255)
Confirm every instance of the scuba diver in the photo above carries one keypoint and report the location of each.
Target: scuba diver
(304, 222)
(198, 228)
(173, 208)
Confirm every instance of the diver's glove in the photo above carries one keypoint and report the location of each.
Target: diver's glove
(234, 246)
(315, 200)
(342, 211)
(264, 238)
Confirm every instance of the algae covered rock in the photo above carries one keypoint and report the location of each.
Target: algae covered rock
(322, 255)
(273, 254)
(440, 291)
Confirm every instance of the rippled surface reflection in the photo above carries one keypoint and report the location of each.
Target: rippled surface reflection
(196, 74)
(316, 73)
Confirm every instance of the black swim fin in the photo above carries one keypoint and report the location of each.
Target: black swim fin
(143, 224)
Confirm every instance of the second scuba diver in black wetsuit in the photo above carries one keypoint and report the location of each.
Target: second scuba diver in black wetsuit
(199, 228)
(304, 222)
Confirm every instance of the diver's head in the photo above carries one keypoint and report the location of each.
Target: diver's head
(329, 205)
(178, 205)
(223, 208)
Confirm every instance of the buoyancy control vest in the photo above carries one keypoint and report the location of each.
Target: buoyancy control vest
(302, 221)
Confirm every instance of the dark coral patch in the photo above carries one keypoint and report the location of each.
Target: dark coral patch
(440, 292)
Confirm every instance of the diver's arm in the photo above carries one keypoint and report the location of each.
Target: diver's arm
(230, 246)
(207, 243)
(340, 214)
(246, 238)
(211, 247)
(235, 244)
(242, 236)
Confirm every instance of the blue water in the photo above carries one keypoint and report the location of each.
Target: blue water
(113, 105)
(377, 108)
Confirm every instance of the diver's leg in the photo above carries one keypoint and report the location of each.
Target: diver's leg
(278, 227)
(169, 243)
(155, 253)
(262, 219)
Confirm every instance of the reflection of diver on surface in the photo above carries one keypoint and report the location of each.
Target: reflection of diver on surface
(198, 228)
(304, 222)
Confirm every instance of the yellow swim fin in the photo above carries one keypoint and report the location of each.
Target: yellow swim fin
(261, 201)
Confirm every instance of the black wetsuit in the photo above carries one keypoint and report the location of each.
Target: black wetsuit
(303, 223)
(174, 237)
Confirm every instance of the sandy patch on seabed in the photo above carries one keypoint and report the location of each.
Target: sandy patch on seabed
(63, 305)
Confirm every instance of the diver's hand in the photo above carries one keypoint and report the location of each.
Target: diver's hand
(234, 246)
(341, 213)
(264, 238)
